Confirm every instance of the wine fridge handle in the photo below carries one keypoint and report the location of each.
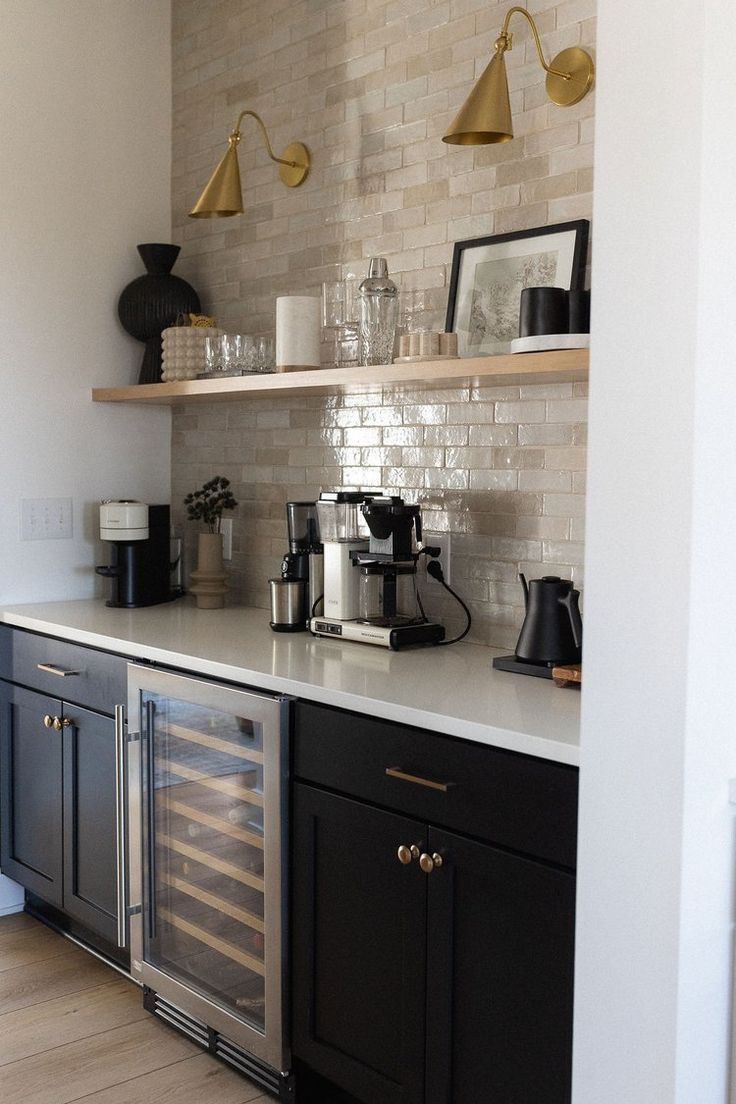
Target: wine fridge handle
(121, 833)
(151, 817)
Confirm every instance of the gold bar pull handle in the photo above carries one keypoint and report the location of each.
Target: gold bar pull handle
(397, 772)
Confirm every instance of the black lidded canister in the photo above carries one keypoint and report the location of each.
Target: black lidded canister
(543, 310)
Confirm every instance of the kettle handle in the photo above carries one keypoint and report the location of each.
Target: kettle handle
(570, 602)
(525, 587)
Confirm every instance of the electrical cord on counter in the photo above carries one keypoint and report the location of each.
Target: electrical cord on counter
(316, 603)
(434, 568)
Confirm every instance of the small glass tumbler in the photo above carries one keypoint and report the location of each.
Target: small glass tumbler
(247, 359)
(265, 354)
(414, 313)
(333, 314)
(218, 355)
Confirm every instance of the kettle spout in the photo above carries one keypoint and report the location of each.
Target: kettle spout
(525, 587)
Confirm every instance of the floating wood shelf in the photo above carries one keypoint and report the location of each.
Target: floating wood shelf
(561, 366)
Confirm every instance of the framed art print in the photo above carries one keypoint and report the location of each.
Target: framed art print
(488, 275)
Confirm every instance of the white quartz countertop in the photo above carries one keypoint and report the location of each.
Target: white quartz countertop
(453, 690)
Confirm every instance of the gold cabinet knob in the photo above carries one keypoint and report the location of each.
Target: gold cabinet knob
(61, 722)
(48, 720)
(406, 854)
(429, 862)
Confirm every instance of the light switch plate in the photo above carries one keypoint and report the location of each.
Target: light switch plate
(46, 519)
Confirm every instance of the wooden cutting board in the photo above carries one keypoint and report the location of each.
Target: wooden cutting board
(568, 676)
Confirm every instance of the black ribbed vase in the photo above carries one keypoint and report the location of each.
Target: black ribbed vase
(152, 302)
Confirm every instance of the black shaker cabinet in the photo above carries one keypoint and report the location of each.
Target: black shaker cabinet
(59, 775)
(445, 978)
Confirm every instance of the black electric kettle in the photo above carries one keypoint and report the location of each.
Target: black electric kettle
(552, 632)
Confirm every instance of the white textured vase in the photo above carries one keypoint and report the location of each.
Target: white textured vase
(208, 581)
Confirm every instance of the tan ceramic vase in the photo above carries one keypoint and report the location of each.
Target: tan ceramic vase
(208, 581)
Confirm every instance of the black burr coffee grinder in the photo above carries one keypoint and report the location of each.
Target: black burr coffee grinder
(300, 586)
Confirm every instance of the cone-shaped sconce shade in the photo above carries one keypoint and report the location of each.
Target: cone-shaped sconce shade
(223, 194)
(485, 116)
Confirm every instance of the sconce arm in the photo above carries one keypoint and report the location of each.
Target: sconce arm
(235, 138)
(504, 41)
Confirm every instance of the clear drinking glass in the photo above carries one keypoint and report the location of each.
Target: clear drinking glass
(233, 354)
(265, 354)
(341, 319)
(211, 353)
(333, 304)
(333, 314)
(247, 358)
(414, 313)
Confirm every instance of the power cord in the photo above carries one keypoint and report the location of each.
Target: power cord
(434, 568)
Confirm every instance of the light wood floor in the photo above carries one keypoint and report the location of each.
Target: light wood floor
(73, 1029)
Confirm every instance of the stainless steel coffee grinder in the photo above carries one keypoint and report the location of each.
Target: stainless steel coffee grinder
(299, 589)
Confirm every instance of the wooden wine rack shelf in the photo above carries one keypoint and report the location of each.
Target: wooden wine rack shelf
(222, 946)
(561, 366)
(217, 823)
(212, 782)
(218, 903)
(205, 858)
(205, 740)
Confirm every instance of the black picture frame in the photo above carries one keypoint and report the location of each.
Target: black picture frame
(485, 315)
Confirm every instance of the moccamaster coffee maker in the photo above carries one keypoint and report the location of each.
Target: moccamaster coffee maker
(141, 567)
(370, 585)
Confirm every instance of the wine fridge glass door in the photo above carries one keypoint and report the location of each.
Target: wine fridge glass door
(212, 815)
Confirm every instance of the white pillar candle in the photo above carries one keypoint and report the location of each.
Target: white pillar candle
(297, 332)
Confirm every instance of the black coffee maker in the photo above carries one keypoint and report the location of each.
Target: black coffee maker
(141, 565)
(552, 633)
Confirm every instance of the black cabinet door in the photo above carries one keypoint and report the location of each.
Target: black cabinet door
(30, 792)
(499, 975)
(358, 943)
(90, 857)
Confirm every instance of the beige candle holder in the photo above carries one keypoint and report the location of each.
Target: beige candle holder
(427, 345)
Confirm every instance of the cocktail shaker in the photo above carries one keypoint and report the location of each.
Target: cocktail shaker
(379, 308)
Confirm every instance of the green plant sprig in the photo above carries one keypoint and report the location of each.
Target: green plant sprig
(208, 503)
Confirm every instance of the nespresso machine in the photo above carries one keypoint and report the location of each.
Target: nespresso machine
(370, 566)
(141, 567)
(300, 588)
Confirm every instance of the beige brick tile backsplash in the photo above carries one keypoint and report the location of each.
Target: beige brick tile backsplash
(370, 86)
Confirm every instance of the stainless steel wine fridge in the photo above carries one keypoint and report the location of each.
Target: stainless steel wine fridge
(207, 837)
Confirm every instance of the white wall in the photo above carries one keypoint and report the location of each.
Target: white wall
(658, 748)
(85, 134)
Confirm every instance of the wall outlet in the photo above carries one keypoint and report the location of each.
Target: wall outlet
(226, 528)
(46, 519)
(443, 542)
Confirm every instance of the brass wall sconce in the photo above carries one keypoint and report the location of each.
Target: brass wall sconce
(223, 194)
(485, 117)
